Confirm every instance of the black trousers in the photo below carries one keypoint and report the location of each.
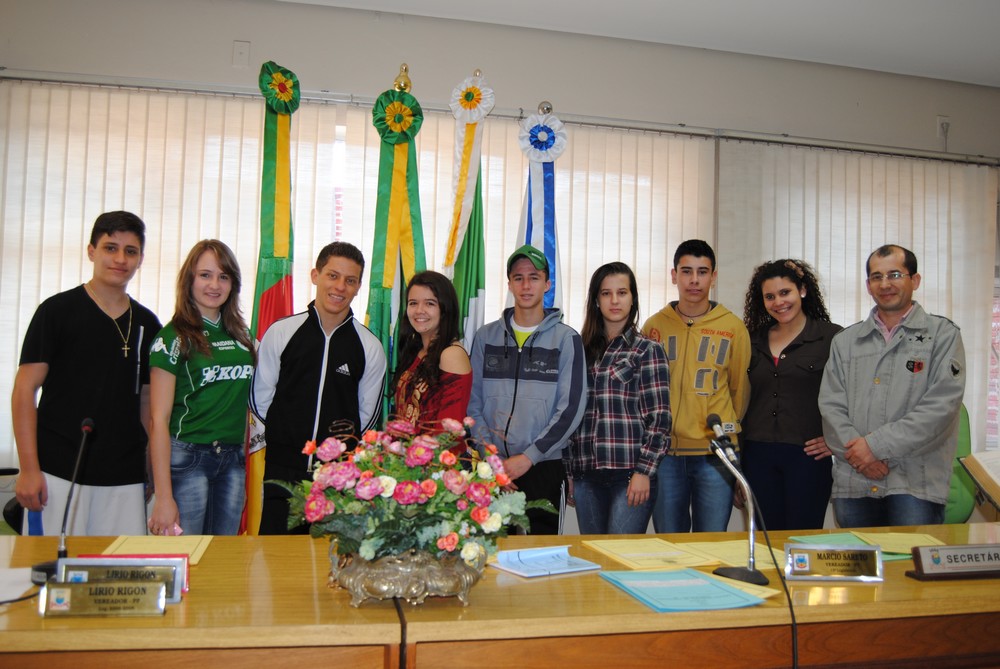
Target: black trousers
(274, 503)
(544, 480)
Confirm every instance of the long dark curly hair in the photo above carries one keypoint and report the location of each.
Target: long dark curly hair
(755, 316)
(429, 369)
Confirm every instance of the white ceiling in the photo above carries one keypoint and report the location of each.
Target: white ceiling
(956, 40)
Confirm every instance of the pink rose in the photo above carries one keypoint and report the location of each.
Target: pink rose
(344, 475)
(462, 504)
(418, 455)
(331, 449)
(468, 421)
(396, 447)
(479, 494)
(453, 426)
(495, 463)
(454, 482)
(322, 476)
(427, 441)
(368, 488)
(317, 506)
(407, 492)
(402, 428)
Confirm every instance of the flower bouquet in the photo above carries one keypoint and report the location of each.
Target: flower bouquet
(400, 489)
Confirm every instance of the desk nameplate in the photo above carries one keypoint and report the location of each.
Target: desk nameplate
(819, 562)
(967, 561)
(170, 571)
(102, 598)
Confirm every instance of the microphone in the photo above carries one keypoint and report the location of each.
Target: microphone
(723, 447)
(43, 571)
(721, 441)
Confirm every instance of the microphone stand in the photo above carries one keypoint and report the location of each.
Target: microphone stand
(748, 574)
(43, 571)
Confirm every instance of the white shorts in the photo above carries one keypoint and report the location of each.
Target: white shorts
(97, 511)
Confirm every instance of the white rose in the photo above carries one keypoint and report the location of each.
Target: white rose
(471, 552)
(493, 523)
(388, 485)
(484, 471)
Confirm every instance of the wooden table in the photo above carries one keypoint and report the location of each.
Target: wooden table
(263, 602)
(581, 621)
(254, 602)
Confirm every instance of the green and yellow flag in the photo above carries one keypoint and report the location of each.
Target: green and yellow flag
(273, 289)
(398, 252)
(465, 255)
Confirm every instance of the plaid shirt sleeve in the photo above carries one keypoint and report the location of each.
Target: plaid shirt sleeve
(654, 408)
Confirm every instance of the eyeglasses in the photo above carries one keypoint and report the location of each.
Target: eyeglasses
(893, 277)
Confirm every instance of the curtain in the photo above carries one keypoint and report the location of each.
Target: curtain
(189, 165)
(832, 208)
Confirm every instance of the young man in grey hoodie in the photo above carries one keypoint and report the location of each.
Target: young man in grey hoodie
(529, 387)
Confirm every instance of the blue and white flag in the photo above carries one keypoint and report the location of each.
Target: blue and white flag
(543, 139)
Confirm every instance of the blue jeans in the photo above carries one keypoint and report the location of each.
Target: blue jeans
(887, 511)
(692, 487)
(209, 482)
(602, 503)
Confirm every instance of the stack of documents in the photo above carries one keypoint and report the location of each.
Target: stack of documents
(545, 561)
(895, 545)
(680, 590)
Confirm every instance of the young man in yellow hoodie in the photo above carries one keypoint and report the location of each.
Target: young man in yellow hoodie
(709, 350)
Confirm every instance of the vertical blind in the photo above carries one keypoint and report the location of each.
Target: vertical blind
(832, 208)
(189, 165)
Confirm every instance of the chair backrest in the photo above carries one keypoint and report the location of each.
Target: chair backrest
(13, 515)
(962, 493)
(8, 480)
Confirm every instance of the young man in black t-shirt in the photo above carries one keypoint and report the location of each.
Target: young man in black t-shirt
(87, 350)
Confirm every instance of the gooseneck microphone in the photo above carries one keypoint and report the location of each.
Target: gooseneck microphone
(723, 447)
(43, 571)
(724, 443)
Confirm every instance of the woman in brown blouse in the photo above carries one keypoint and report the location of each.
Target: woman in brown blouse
(785, 457)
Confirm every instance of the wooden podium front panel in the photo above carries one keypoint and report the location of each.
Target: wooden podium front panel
(246, 594)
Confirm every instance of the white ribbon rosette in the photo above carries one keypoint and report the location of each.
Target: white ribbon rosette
(542, 138)
(472, 100)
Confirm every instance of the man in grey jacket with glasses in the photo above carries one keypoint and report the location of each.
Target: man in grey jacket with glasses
(890, 398)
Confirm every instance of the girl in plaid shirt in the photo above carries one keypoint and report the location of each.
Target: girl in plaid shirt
(626, 427)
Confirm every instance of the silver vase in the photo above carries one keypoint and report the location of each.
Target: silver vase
(413, 575)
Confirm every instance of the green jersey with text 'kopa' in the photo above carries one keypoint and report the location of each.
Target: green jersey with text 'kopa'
(210, 393)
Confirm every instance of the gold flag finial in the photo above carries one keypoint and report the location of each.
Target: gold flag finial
(402, 82)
